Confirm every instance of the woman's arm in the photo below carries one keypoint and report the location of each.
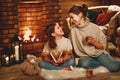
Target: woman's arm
(91, 41)
(98, 45)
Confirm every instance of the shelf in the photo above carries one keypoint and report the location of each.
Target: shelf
(29, 2)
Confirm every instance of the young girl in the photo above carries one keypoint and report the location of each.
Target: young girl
(57, 52)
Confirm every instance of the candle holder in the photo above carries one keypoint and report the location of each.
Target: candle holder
(16, 46)
(7, 57)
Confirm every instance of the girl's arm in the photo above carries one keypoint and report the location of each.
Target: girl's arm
(48, 58)
(65, 56)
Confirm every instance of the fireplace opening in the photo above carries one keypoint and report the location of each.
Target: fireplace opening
(31, 28)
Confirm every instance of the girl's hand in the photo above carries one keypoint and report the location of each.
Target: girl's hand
(56, 64)
(67, 56)
(60, 60)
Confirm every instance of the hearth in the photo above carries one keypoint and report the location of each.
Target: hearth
(28, 20)
(30, 23)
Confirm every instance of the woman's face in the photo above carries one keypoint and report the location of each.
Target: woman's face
(75, 18)
(58, 30)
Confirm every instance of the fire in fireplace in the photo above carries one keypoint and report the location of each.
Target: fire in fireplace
(28, 20)
(31, 28)
(28, 38)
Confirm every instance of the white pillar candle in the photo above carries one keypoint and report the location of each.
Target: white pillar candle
(17, 53)
(7, 60)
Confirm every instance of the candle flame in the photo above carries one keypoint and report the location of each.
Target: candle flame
(7, 58)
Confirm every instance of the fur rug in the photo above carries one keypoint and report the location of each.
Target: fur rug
(63, 74)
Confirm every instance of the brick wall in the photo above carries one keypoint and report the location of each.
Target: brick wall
(16, 15)
(8, 19)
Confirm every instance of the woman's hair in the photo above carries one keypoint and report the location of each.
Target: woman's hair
(76, 9)
(51, 39)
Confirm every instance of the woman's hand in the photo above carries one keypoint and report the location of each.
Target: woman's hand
(90, 40)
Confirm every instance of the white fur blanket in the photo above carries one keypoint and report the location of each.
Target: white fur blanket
(63, 74)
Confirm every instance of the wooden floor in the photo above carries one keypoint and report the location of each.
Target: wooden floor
(14, 73)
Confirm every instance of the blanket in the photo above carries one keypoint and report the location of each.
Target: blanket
(64, 74)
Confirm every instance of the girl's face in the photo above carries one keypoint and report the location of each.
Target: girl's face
(58, 30)
(75, 18)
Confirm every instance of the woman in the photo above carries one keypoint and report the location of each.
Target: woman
(57, 52)
(89, 42)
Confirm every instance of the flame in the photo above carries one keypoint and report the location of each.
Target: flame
(27, 34)
(33, 38)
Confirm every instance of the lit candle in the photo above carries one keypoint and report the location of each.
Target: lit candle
(11, 58)
(7, 60)
(17, 53)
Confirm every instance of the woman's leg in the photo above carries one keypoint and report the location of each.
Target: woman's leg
(88, 62)
(69, 62)
(110, 63)
(47, 65)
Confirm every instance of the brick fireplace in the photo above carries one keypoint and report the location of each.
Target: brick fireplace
(20, 16)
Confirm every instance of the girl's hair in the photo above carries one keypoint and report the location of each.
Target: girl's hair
(51, 39)
(76, 9)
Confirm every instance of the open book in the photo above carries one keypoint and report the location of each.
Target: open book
(53, 57)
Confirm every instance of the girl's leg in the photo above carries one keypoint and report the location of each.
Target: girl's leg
(109, 62)
(88, 62)
(47, 65)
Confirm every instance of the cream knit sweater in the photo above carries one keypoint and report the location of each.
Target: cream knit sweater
(78, 38)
